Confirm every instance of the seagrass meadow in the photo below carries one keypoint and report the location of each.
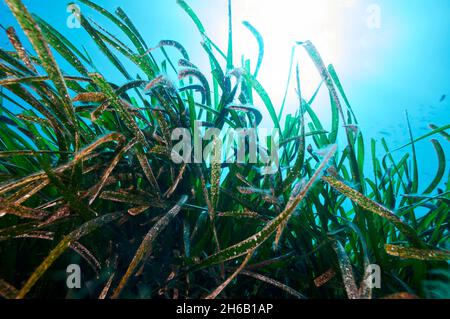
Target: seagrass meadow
(87, 178)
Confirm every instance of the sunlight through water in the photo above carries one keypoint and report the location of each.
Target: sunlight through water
(281, 26)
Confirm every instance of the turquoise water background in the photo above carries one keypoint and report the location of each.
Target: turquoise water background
(401, 63)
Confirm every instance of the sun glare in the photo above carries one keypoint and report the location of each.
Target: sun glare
(281, 26)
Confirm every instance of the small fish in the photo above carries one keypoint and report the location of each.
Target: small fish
(386, 133)
(443, 97)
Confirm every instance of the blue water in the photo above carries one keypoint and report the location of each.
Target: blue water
(399, 61)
